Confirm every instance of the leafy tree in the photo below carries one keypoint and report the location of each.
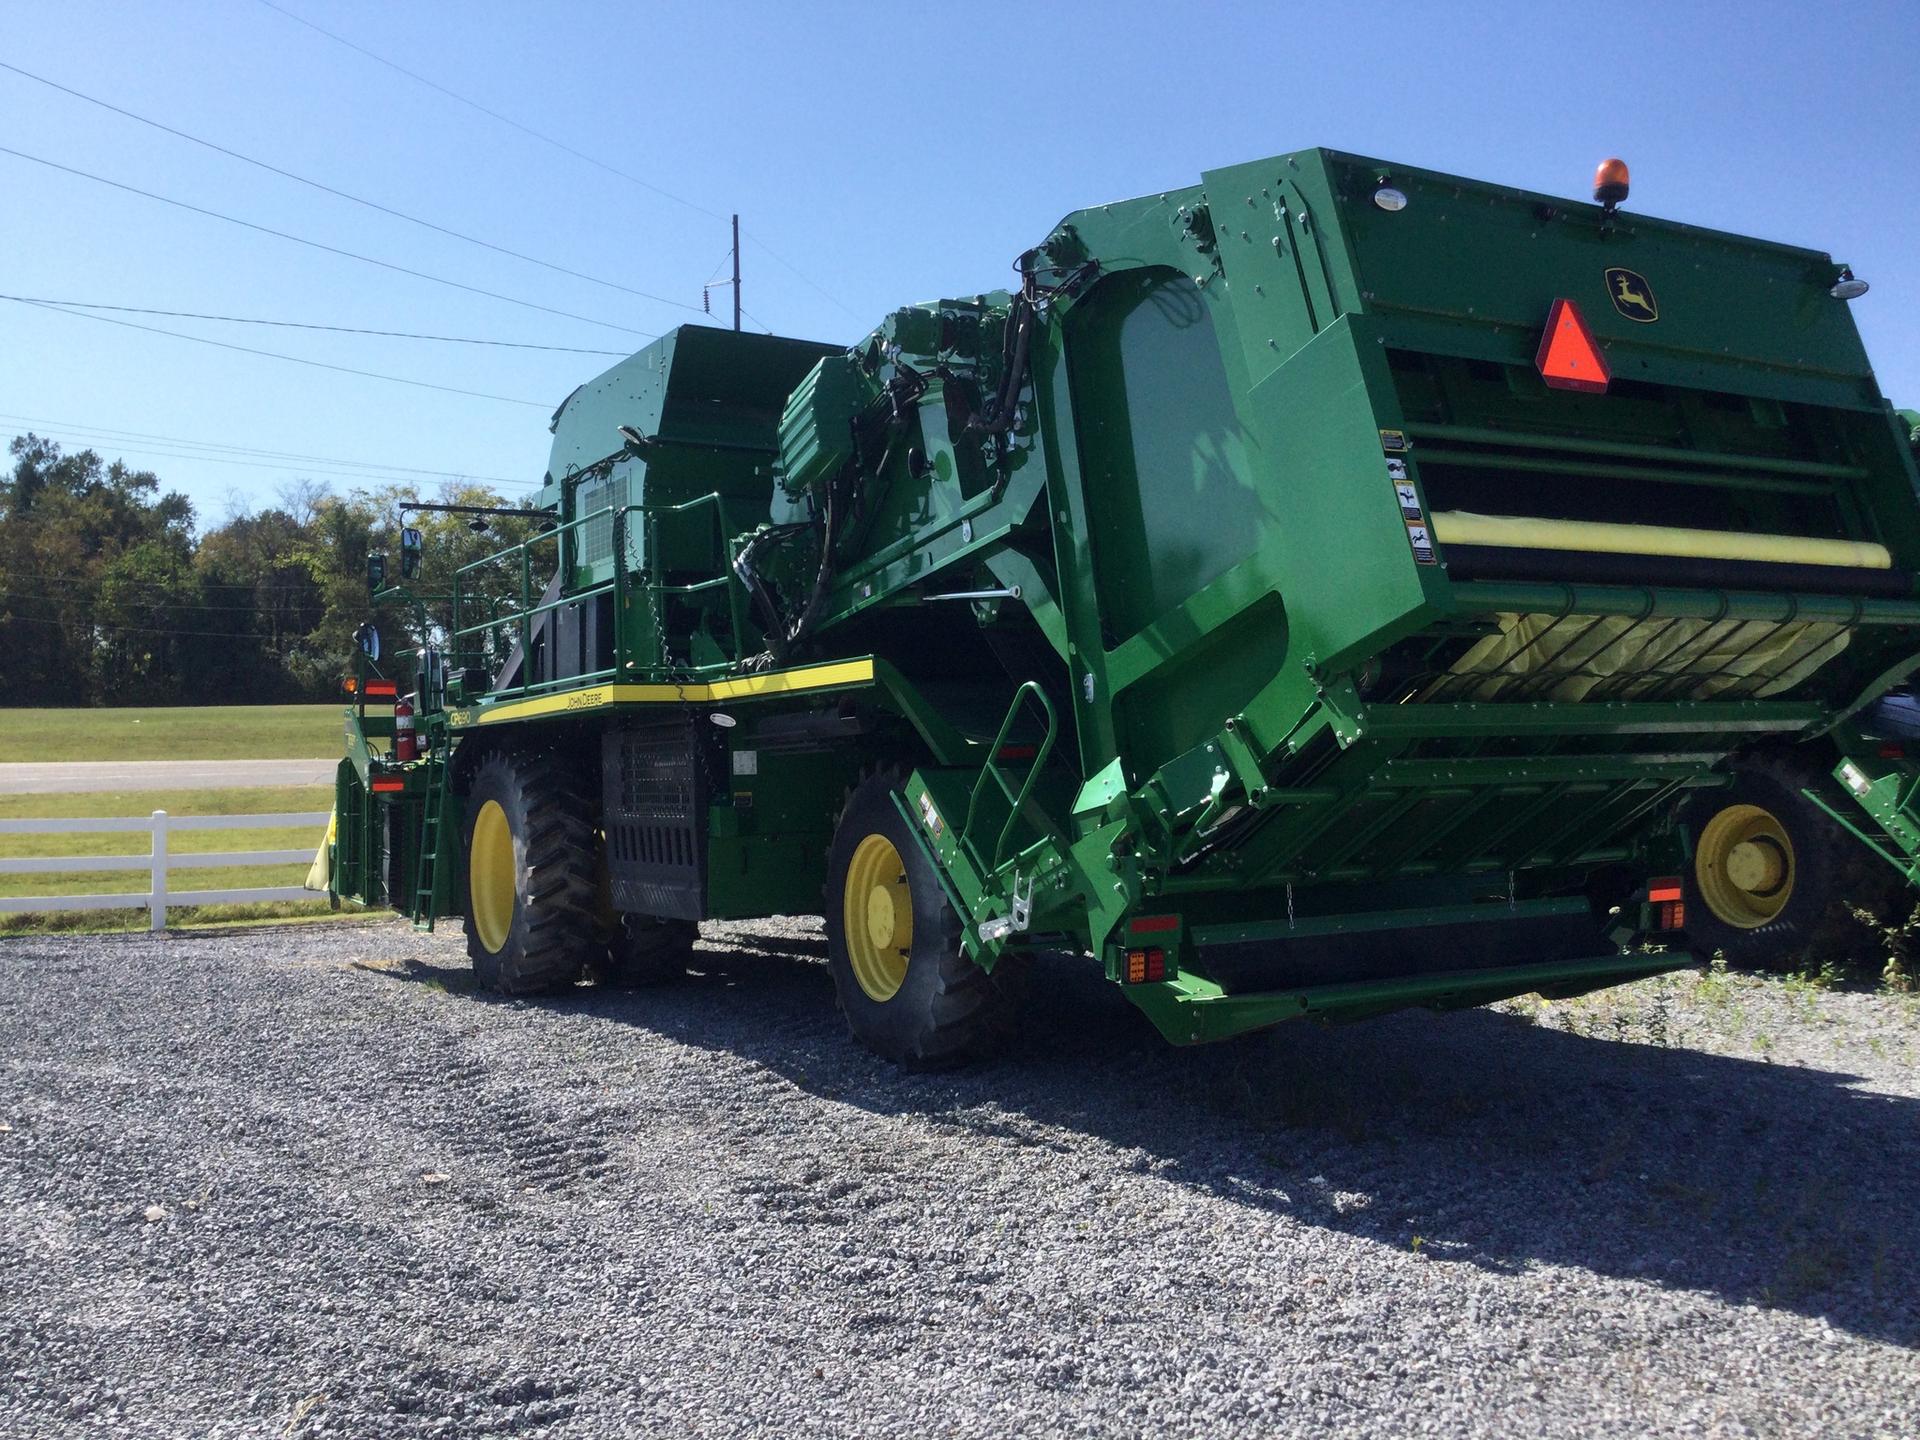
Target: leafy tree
(108, 596)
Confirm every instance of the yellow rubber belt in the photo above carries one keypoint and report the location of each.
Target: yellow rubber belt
(1461, 527)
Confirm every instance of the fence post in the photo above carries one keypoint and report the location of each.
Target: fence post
(157, 896)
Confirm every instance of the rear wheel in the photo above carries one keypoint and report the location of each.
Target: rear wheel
(1774, 881)
(906, 986)
(531, 891)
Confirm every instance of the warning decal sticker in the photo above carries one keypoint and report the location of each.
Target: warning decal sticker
(1421, 539)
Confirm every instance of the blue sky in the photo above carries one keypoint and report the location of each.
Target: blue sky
(885, 153)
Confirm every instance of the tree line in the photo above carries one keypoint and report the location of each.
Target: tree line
(110, 595)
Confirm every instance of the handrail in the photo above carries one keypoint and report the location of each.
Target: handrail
(602, 588)
(988, 768)
(502, 612)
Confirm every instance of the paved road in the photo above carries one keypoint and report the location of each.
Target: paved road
(65, 777)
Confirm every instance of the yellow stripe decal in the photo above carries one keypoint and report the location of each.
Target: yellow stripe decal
(776, 682)
(1461, 527)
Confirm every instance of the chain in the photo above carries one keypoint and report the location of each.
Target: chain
(662, 661)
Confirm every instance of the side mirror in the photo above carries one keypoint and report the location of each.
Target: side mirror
(368, 639)
(411, 548)
(376, 572)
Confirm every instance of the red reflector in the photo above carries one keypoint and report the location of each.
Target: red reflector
(1568, 358)
(382, 689)
(1152, 924)
(1665, 888)
(1893, 750)
(384, 786)
(1017, 752)
(1672, 916)
(1146, 965)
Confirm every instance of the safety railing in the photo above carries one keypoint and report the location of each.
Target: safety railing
(624, 582)
(656, 589)
(528, 611)
(157, 862)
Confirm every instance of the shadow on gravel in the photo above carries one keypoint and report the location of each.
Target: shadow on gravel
(1474, 1138)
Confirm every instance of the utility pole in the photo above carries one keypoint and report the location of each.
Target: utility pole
(736, 272)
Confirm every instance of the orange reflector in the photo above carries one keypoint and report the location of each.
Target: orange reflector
(1146, 965)
(1151, 924)
(382, 689)
(1568, 358)
(1665, 888)
(350, 685)
(387, 786)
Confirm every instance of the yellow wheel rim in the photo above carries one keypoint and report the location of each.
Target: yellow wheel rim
(492, 877)
(877, 912)
(1744, 864)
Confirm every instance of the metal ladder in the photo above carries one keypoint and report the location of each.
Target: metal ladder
(426, 874)
(990, 770)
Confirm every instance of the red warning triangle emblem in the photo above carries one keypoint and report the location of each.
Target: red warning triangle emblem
(1568, 358)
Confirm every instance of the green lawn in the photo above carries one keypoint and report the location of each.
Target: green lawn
(176, 732)
(140, 804)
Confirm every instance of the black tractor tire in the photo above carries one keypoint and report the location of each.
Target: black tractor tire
(645, 950)
(1831, 874)
(532, 906)
(946, 1010)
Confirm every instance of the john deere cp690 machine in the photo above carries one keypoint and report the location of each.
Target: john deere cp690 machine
(1329, 588)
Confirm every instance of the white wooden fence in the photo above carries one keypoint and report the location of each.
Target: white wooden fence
(157, 862)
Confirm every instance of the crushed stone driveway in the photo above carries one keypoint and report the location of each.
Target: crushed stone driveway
(305, 1181)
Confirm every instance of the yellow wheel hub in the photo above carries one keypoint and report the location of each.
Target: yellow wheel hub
(492, 876)
(878, 917)
(1744, 864)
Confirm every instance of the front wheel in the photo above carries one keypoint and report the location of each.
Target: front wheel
(1774, 881)
(531, 891)
(906, 986)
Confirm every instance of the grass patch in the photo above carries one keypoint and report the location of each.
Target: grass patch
(139, 804)
(173, 732)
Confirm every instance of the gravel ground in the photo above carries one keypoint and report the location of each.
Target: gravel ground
(305, 1182)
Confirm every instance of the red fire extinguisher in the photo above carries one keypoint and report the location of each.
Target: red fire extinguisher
(405, 747)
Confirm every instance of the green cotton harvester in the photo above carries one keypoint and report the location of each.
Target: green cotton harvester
(1329, 588)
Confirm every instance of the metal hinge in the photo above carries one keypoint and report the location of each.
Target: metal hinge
(1019, 915)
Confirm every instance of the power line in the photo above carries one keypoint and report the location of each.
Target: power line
(114, 434)
(318, 245)
(309, 325)
(344, 195)
(493, 114)
(255, 610)
(802, 278)
(549, 140)
(166, 630)
(369, 476)
(276, 355)
(216, 584)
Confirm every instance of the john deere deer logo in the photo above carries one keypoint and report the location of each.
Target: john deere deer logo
(1632, 296)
